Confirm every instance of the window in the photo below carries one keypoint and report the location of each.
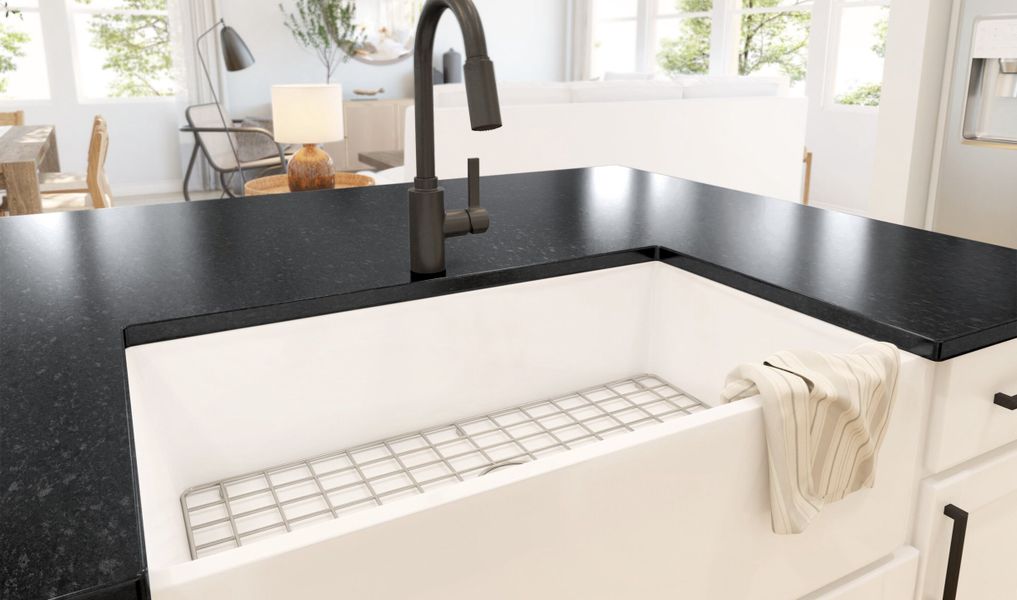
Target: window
(773, 39)
(122, 48)
(699, 37)
(861, 46)
(615, 36)
(647, 36)
(747, 37)
(22, 54)
(684, 31)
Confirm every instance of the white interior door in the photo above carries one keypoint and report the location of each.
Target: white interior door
(841, 138)
(986, 489)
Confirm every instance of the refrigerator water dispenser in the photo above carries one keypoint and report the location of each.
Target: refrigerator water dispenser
(990, 112)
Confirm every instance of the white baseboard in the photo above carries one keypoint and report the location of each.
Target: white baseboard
(148, 187)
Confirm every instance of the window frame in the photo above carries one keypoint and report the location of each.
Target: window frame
(72, 9)
(829, 91)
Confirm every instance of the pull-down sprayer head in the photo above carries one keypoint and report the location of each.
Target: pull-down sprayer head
(482, 94)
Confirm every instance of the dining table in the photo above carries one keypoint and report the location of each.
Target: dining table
(25, 151)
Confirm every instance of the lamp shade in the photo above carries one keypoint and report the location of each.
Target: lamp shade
(307, 114)
(235, 52)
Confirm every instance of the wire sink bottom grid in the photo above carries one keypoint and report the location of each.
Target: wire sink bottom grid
(240, 510)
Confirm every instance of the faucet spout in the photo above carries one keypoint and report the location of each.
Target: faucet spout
(430, 224)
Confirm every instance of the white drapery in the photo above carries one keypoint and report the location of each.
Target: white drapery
(188, 20)
(580, 39)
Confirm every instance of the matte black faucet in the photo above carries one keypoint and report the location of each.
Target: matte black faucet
(430, 223)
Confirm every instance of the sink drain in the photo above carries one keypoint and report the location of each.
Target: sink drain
(501, 465)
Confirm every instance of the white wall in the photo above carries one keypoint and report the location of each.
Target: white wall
(525, 39)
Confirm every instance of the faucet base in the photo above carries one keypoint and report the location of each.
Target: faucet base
(427, 232)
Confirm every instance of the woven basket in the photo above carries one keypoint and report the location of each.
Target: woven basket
(278, 184)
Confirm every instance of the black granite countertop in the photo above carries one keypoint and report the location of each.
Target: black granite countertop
(76, 287)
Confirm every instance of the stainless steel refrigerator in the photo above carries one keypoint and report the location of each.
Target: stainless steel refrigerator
(976, 188)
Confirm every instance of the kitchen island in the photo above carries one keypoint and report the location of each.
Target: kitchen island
(77, 289)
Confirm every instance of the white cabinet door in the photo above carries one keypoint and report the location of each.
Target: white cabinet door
(892, 578)
(985, 492)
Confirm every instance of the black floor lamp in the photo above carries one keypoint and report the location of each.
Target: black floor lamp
(237, 57)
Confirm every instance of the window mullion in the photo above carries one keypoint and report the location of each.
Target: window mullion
(724, 35)
(826, 24)
(645, 34)
(57, 39)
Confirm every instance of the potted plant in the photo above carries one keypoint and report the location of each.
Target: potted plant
(327, 28)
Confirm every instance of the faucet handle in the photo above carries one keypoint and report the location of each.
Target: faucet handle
(473, 181)
(473, 218)
(479, 219)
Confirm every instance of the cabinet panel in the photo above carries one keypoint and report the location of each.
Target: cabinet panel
(987, 569)
(370, 126)
(337, 150)
(986, 489)
(892, 578)
(965, 422)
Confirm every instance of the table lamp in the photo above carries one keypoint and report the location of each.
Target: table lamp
(308, 115)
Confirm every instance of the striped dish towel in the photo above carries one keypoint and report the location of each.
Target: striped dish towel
(825, 417)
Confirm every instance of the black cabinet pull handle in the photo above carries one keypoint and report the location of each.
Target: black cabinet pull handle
(953, 564)
(1007, 402)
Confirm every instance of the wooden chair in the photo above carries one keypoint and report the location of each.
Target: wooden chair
(66, 191)
(8, 119)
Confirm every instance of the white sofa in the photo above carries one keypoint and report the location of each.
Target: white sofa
(692, 86)
(740, 133)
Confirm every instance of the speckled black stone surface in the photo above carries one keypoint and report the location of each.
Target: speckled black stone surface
(75, 286)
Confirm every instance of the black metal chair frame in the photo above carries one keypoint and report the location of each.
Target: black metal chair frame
(199, 145)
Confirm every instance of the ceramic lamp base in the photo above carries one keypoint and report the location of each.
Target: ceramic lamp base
(311, 169)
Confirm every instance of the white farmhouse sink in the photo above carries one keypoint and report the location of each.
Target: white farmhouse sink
(676, 509)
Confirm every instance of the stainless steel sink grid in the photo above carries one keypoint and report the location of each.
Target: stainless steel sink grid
(232, 512)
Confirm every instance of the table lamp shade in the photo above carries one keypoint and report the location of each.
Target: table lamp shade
(307, 114)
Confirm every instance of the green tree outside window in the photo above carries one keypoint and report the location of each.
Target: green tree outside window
(869, 94)
(136, 47)
(777, 39)
(12, 47)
